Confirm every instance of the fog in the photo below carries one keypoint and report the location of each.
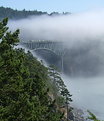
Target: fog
(87, 94)
(71, 28)
(83, 32)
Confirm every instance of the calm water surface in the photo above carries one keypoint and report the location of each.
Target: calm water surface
(88, 94)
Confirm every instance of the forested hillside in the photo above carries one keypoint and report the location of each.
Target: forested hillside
(17, 14)
(28, 91)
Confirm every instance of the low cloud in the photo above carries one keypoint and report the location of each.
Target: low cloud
(74, 27)
(83, 33)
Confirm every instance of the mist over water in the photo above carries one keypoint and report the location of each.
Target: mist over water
(87, 94)
(72, 28)
(83, 35)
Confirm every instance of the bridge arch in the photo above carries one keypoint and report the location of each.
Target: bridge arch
(56, 48)
(47, 49)
(49, 56)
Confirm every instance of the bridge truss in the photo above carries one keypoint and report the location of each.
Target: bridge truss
(57, 48)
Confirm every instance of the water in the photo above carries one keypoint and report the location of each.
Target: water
(88, 94)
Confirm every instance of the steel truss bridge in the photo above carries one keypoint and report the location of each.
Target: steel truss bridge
(57, 48)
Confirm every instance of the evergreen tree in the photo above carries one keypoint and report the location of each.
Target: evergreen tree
(23, 89)
(16, 14)
(61, 93)
(58, 83)
(92, 116)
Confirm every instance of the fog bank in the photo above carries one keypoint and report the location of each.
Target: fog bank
(82, 33)
(71, 28)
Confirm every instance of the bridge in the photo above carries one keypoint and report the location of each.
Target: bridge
(57, 48)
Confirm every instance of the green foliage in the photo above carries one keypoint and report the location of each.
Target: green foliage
(23, 83)
(92, 116)
(58, 86)
(16, 14)
(3, 27)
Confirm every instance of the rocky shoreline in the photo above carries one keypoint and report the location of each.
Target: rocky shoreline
(78, 114)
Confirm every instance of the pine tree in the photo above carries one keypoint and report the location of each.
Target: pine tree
(61, 92)
(59, 83)
(92, 116)
(23, 89)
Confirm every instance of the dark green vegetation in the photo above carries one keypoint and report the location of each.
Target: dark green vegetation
(92, 117)
(17, 14)
(58, 87)
(25, 90)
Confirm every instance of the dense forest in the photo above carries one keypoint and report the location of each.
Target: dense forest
(28, 90)
(19, 14)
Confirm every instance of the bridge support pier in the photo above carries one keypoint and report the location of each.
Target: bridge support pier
(62, 64)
